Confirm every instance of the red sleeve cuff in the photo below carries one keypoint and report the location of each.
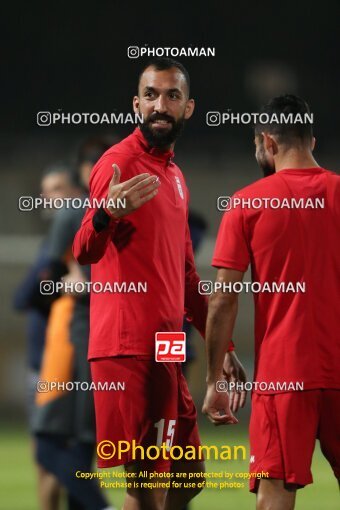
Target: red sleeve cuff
(231, 346)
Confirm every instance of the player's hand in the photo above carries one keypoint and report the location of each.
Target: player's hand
(217, 407)
(234, 372)
(136, 192)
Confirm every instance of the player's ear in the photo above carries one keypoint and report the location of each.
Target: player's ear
(269, 143)
(189, 109)
(313, 143)
(135, 104)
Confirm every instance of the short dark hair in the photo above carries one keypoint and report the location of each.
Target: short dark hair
(286, 133)
(164, 63)
(61, 168)
(57, 168)
(92, 149)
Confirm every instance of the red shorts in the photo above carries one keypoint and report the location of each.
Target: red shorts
(155, 407)
(283, 431)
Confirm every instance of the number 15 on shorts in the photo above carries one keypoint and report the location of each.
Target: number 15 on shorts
(170, 346)
(167, 426)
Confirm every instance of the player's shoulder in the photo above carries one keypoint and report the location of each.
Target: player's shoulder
(259, 187)
(332, 175)
(275, 185)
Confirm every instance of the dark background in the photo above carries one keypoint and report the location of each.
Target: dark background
(72, 55)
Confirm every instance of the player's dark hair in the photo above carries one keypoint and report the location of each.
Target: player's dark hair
(61, 168)
(89, 151)
(164, 63)
(92, 149)
(291, 132)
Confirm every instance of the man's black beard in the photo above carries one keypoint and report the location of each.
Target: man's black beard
(264, 165)
(160, 139)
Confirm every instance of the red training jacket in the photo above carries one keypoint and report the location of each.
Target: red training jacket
(151, 246)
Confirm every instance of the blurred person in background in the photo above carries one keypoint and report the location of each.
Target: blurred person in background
(64, 421)
(56, 183)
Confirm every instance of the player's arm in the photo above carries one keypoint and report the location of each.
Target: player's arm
(231, 257)
(196, 305)
(98, 225)
(222, 364)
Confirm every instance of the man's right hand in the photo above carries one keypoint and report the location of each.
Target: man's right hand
(234, 373)
(216, 406)
(136, 192)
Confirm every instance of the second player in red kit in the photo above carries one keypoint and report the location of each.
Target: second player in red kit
(286, 227)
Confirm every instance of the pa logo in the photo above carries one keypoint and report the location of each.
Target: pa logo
(170, 346)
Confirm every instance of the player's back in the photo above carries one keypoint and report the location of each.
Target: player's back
(299, 219)
(294, 237)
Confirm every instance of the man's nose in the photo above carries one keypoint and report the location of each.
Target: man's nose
(160, 105)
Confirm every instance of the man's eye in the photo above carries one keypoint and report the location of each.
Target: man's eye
(149, 94)
(174, 95)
